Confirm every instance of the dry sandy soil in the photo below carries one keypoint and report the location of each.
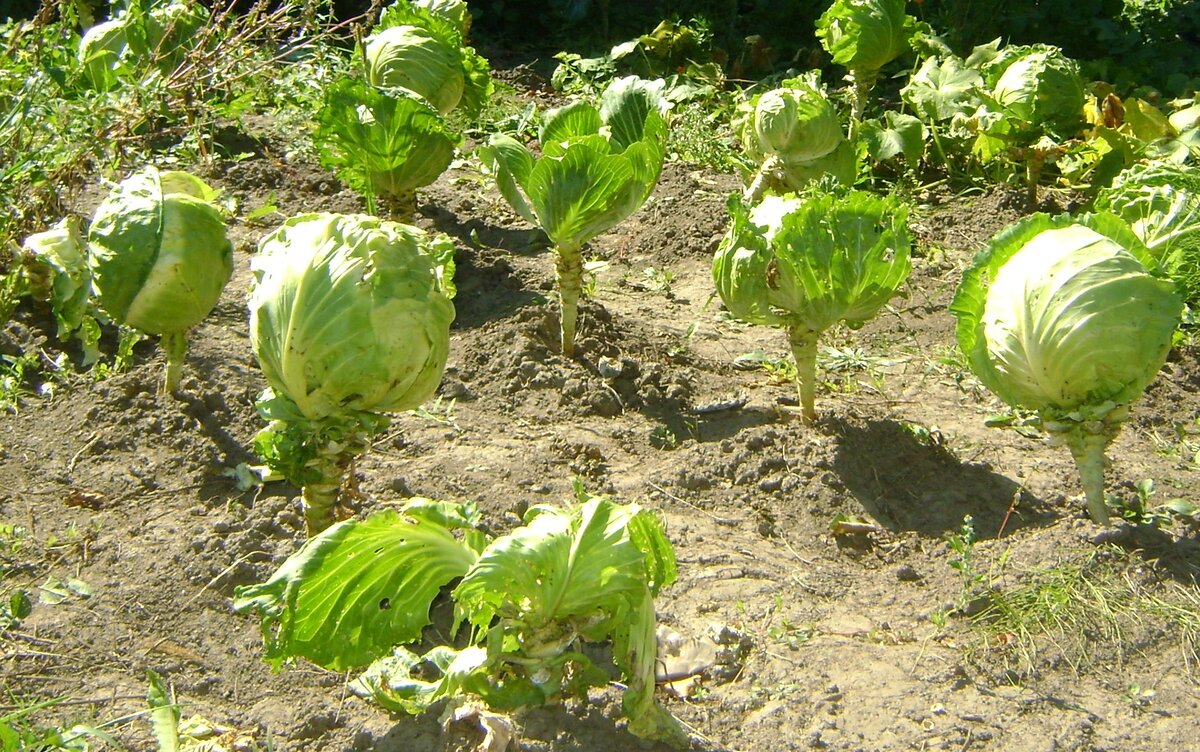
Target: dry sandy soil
(861, 637)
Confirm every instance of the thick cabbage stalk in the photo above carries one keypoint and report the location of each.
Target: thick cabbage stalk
(349, 319)
(808, 261)
(597, 167)
(160, 257)
(1061, 317)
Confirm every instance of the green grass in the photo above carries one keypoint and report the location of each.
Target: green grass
(1099, 605)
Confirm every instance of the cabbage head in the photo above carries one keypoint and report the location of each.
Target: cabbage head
(793, 133)
(382, 143)
(1039, 85)
(349, 319)
(805, 262)
(597, 166)
(800, 123)
(422, 51)
(1061, 316)
(351, 313)
(159, 38)
(865, 35)
(160, 257)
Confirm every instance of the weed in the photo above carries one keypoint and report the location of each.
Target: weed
(962, 544)
(1094, 605)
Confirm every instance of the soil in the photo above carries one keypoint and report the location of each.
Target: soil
(858, 637)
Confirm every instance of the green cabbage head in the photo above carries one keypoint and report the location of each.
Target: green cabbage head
(793, 133)
(1061, 317)
(160, 257)
(1161, 202)
(422, 51)
(1039, 85)
(795, 121)
(351, 313)
(865, 35)
(158, 38)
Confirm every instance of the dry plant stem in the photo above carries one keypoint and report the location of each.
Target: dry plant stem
(174, 345)
(569, 266)
(804, 349)
(1088, 451)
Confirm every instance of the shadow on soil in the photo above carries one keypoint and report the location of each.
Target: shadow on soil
(1178, 557)
(909, 484)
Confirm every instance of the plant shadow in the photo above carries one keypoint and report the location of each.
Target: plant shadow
(1178, 557)
(907, 482)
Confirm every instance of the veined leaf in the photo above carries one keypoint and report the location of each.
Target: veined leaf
(359, 588)
(582, 194)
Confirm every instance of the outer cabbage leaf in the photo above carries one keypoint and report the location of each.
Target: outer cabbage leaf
(865, 35)
(1161, 202)
(159, 252)
(56, 266)
(943, 88)
(100, 53)
(351, 313)
(360, 587)
(898, 135)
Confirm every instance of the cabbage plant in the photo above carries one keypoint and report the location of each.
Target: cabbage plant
(1161, 202)
(383, 144)
(793, 133)
(1039, 86)
(422, 50)
(597, 167)
(864, 36)
(140, 36)
(532, 598)
(1059, 316)
(805, 262)
(160, 257)
(349, 319)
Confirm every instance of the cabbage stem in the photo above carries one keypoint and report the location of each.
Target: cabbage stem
(569, 265)
(320, 498)
(804, 349)
(174, 345)
(1088, 451)
(766, 175)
